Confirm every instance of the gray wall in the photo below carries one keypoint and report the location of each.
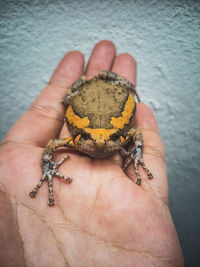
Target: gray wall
(164, 37)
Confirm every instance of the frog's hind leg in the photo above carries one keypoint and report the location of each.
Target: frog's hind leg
(49, 167)
(135, 155)
(114, 78)
(74, 89)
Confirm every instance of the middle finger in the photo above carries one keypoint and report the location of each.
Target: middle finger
(101, 58)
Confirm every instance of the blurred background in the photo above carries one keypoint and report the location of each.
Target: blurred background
(163, 36)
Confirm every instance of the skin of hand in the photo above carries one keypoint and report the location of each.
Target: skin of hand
(102, 218)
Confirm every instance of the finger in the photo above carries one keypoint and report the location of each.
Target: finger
(101, 57)
(145, 118)
(44, 118)
(154, 154)
(68, 70)
(125, 65)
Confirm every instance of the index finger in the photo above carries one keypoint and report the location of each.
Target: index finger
(44, 118)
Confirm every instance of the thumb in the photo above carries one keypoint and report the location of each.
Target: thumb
(154, 154)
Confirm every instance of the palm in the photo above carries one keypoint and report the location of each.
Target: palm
(102, 218)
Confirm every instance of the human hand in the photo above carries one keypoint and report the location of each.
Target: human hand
(102, 218)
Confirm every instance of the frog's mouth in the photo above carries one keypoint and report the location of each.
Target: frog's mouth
(95, 150)
(100, 154)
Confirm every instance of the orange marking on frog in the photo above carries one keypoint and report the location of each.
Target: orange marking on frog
(126, 114)
(75, 120)
(100, 135)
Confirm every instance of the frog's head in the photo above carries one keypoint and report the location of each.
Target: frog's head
(99, 143)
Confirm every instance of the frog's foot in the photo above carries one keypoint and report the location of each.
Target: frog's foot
(135, 156)
(49, 168)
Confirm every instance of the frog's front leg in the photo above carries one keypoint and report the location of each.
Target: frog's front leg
(49, 167)
(135, 155)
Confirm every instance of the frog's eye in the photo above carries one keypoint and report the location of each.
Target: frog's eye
(114, 136)
(85, 136)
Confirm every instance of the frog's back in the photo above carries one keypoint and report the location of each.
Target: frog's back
(99, 101)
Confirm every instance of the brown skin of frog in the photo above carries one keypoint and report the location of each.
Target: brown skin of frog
(99, 115)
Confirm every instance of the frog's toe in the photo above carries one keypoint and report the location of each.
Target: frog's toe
(33, 193)
(138, 180)
(149, 174)
(66, 178)
(136, 164)
(51, 201)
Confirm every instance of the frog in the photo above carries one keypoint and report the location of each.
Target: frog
(100, 115)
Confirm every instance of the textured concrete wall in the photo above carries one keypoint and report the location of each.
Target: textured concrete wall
(164, 37)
